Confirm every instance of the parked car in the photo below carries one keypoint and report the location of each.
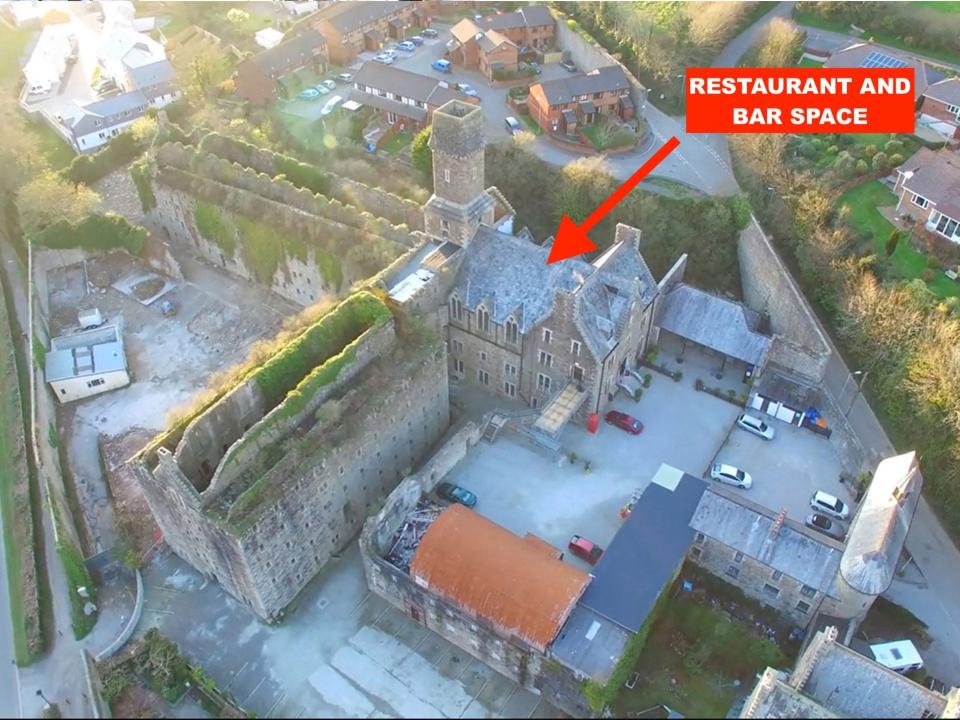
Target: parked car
(416, 40)
(535, 67)
(167, 308)
(513, 125)
(467, 89)
(104, 86)
(331, 105)
(406, 46)
(457, 494)
(585, 549)
(624, 422)
(390, 50)
(730, 475)
(756, 426)
(321, 88)
(826, 503)
(330, 84)
(429, 33)
(441, 66)
(823, 524)
(384, 59)
(345, 77)
(568, 66)
(309, 94)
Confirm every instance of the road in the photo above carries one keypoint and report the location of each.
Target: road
(735, 49)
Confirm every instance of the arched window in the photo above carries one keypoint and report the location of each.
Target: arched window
(512, 330)
(483, 319)
(456, 308)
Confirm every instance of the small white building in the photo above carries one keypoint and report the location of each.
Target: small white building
(86, 363)
(268, 37)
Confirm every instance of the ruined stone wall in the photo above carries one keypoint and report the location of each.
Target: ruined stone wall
(769, 288)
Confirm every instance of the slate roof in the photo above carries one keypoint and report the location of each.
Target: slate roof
(518, 585)
(405, 83)
(288, 54)
(349, 16)
(509, 275)
(529, 16)
(856, 55)
(935, 176)
(714, 322)
(946, 91)
(152, 74)
(110, 111)
(606, 79)
(388, 105)
(880, 527)
(646, 551)
(746, 526)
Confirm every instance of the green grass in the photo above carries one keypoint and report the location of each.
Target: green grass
(906, 262)
(12, 44)
(809, 63)
(58, 153)
(396, 143)
(78, 576)
(531, 124)
(947, 8)
(703, 650)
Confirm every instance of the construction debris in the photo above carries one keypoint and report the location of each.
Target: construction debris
(407, 539)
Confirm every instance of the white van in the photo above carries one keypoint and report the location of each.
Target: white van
(900, 656)
(331, 105)
(39, 88)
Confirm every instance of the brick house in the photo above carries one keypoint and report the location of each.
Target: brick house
(405, 99)
(565, 105)
(256, 77)
(928, 184)
(528, 27)
(940, 108)
(351, 28)
(868, 55)
(484, 50)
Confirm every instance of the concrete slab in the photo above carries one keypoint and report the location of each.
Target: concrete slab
(340, 693)
(521, 704)
(374, 679)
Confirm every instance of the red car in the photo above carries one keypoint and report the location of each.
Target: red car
(624, 422)
(585, 549)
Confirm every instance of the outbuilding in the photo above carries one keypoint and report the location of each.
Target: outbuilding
(86, 363)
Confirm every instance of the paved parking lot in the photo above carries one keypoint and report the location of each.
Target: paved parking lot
(343, 652)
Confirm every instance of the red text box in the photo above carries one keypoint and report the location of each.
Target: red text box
(800, 100)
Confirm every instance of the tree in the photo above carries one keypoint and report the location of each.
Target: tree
(780, 46)
(420, 152)
(49, 198)
(890, 246)
(143, 130)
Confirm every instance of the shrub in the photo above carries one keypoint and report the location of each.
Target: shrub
(880, 161)
(140, 173)
(928, 275)
(933, 263)
(88, 169)
(96, 232)
(647, 378)
(833, 150)
(303, 175)
(420, 153)
(896, 160)
(862, 167)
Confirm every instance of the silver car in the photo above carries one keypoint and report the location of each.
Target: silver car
(823, 524)
(730, 475)
(756, 426)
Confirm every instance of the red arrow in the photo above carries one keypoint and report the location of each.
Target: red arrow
(572, 240)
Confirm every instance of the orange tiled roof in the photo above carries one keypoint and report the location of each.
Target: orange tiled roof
(513, 582)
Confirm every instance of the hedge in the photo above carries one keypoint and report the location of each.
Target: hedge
(140, 174)
(118, 152)
(96, 232)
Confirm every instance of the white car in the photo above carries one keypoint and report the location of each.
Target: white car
(346, 77)
(331, 105)
(756, 426)
(513, 125)
(468, 90)
(829, 505)
(729, 475)
(384, 59)
(329, 84)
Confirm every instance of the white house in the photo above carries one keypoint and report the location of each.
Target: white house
(86, 363)
(48, 61)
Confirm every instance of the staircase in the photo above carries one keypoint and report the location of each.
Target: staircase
(557, 413)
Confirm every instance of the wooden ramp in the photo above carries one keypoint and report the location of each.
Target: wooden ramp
(560, 409)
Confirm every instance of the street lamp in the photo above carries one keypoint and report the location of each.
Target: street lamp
(43, 697)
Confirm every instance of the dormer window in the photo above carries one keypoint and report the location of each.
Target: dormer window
(456, 308)
(483, 319)
(512, 331)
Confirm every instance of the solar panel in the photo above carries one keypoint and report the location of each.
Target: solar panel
(880, 60)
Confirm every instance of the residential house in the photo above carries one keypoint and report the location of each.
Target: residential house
(565, 105)
(929, 188)
(256, 78)
(99, 122)
(351, 28)
(488, 51)
(531, 26)
(122, 49)
(940, 108)
(830, 680)
(49, 58)
(156, 81)
(86, 363)
(405, 99)
(868, 55)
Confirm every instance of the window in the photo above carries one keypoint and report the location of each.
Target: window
(445, 224)
(456, 310)
(947, 226)
(509, 389)
(483, 319)
(446, 174)
(771, 590)
(546, 359)
(456, 346)
(95, 383)
(575, 347)
(458, 366)
(700, 538)
(955, 110)
(808, 591)
(543, 382)
(512, 331)
(483, 355)
(483, 377)
(577, 374)
(919, 200)
(509, 370)
(738, 557)
(696, 553)
(733, 571)
(777, 575)
(547, 336)
(803, 607)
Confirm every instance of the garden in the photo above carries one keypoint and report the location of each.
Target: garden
(607, 135)
(840, 158)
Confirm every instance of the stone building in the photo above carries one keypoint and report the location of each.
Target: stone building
(259, 487)
(831, 680)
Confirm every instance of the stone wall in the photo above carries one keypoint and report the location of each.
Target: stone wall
(768, 288)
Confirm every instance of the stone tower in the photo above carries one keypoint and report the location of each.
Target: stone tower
(459, 202)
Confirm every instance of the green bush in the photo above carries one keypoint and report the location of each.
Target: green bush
(78, 576)
(420, 153)
(87, 169)
(303, 175)
(140, 174)
(96, 232)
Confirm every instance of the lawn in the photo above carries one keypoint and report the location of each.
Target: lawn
(531, 124)
(907, 262)
(942, 6)
(809, 63)
(396, 143)
(12, 44)
(697, 660)
(606, 138)
(58, 153)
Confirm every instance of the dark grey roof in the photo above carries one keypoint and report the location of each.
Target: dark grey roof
(403, 82)
(589, 644)
(529, 16)
(880, 527)
(349, 16)
(714, 322)
(388, 105)
(935, 175)
(110, 111)
(747, 527)
(290, 53)
(152, 74)
(646, 551)
(864, 55)
(946, 91)
(563, 90)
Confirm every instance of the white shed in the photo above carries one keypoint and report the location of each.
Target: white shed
(86, 363)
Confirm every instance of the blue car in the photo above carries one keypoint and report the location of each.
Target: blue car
(416, 40)
(441, 66)
(406, 46)
(308, 94)
(457, 494)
